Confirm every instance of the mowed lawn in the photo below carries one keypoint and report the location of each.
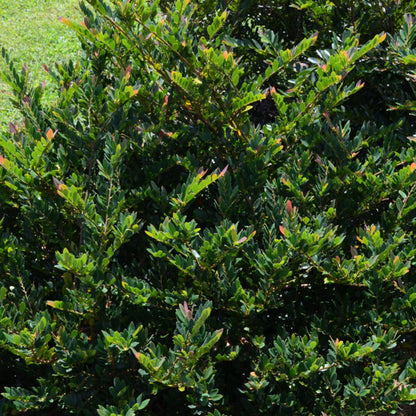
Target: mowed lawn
(30, 30)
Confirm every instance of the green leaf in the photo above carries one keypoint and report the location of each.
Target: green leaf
(200, 321)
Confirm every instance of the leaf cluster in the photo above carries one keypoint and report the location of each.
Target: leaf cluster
(210, 222)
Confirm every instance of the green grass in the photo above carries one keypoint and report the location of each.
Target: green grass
(31, 32)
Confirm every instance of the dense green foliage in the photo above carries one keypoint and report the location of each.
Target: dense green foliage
(217, 216)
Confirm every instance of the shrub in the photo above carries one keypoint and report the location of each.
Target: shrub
(210, 221)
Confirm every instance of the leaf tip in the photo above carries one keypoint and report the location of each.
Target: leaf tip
(289, 207)
(50, 134)
(223, 172)
(12, 128)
